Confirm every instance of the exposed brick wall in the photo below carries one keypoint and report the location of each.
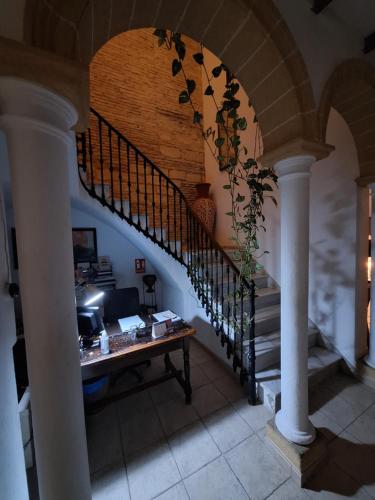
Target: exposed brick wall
(132, 86)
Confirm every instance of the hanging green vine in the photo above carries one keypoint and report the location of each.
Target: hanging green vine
(248, 184)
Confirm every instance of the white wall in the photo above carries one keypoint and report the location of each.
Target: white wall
(333, 240)
(325, 40)
(217, 179)
(121, 252)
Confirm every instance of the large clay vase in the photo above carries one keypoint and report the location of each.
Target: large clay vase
(203, 207)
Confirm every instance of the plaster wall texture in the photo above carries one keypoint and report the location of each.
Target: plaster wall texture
(120, 250)
(333, 240)
(217, 179)
(323, 40)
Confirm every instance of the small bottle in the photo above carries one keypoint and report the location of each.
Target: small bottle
(104, 342)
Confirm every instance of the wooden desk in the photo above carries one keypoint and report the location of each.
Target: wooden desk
(125, 352)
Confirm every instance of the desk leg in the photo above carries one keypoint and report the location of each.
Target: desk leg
(187, 371)
(167, 363)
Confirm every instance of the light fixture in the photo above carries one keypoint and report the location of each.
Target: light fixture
(87, 294)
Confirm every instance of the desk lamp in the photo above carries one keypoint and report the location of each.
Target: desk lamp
(87, 294)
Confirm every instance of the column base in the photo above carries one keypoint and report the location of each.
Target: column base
(303, 460)
(369, 362)
(302, 438)
(365, 373)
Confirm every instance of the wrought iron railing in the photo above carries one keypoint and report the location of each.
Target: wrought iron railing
(114, 172)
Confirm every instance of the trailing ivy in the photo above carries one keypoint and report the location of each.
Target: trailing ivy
(248, 184)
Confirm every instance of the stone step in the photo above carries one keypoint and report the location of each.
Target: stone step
(261, 280)
(265, 297)
(321, 365)
(267, 319)
(267, 348)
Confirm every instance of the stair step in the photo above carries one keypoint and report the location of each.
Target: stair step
(267, 348)
(267, 319)
(321, 365)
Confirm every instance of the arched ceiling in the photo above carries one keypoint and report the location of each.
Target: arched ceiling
(351, 91)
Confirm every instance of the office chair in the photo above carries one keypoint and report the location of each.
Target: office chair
(120, 303)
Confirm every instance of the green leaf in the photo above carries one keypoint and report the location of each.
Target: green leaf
(232, 161)
(190, 86)
(219, 117)
(240, 198)
(255, 120)
(266, 187)
(250, 162)
(231, 214)
(160, 33)
(197, 117)
(217, 70)
(209, 91)
(226, 186)
(183, 97)
(234, 88)
(176, 67)
(228, 94)
(235, 140)
(220, 158)
(242, 123)
(198, 57)
(274, 200)
(180, 49)
(219, 141)
(233, 113)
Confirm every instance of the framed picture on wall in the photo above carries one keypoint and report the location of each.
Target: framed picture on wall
(84, 244)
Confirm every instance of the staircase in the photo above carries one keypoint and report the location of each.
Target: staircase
(120, 177)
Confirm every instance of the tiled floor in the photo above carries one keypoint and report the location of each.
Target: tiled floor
(153, 446)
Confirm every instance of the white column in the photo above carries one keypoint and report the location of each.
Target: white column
(370, 358)
(294, 184)
(13, 483)
(37, 123)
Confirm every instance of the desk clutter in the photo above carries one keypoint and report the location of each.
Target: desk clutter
(104, 279)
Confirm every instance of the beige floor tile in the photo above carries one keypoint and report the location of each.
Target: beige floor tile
(214, 369)
(177, 492)
(289, 491)
(151, 472)
(207, 399)
(104, 447)
(227, 428)
(215, 481)
(256, 416)
(331, 482)
(231, 388)
(175, 415)
(193, 448)
(364, 430)
(110, 484)
(140, 431)
(257, 467)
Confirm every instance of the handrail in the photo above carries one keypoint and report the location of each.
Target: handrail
(117, 174)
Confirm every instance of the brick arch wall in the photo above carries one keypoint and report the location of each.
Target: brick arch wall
(251, 38)
(351, 91)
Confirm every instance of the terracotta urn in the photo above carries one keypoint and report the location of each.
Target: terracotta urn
(204, 207)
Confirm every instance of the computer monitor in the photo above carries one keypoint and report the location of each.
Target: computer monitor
(90, 323)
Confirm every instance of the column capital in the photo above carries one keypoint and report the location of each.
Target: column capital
(21, 100)
(60, 76)
(366, 181)
(296, 147)
(294, 166)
